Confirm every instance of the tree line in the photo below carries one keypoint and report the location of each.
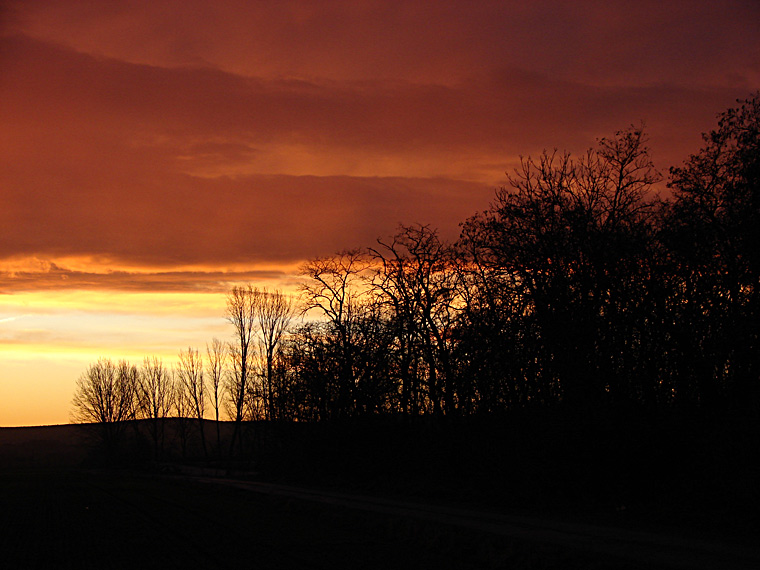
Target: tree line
(578, 286)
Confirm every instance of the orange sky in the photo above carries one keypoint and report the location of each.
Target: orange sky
(153, 152)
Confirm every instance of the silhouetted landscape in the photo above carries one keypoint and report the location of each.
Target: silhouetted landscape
(587, 351)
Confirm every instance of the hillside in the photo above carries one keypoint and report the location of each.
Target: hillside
(42, 446)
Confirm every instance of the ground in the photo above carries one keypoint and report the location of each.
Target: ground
(85, 519)
(61, 509)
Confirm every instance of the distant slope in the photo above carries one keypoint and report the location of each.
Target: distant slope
(42, 446)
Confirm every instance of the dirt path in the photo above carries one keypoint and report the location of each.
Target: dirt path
(634, 547)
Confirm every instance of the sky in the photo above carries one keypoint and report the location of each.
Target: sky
(154, 153)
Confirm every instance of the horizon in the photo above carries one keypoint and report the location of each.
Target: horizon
(154, 156)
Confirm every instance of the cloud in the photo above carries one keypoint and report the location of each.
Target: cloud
(11, 319)
(171, 114)
(140, 142)
(54, 277)
(183, 220)
(643, 43)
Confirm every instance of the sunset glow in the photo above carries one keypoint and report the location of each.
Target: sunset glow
(152, 154)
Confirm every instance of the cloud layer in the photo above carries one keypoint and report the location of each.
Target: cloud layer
(177, 134)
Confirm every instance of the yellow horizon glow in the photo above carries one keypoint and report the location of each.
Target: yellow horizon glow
(48, 337)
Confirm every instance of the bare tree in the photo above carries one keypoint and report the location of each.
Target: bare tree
(241, 313)
(573, 236)
(416, 279)
(183, 408)
(274, 313)
(106, 396)
(337, 288)
(712, 231)
(216, 367)
(190, 380)
(156, 399)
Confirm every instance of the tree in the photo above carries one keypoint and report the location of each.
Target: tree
(571, 235)
(216, 355)
(190, 379)
(182, 406)
(336, 289)
(241, 313)
(416, 280)
(497, 340)
(274, 313)
(156, 400)
(311, 365)
(106, 395)
(713, 232)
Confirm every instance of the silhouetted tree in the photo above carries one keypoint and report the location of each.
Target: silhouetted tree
(375, 341)
(106, 395)
(713, 232)
(241, 313)
(190, 380)
(216, 355)
(498, 340)
(156, 395)
(274, 313)
(182, 406)
(336, 289)
(286, 394)
(568, 233)
(417, 281)
(310, 363)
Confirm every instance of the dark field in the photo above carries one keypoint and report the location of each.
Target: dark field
(80, 519)
(550, 499)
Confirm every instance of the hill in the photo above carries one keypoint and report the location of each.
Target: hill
(42, 446)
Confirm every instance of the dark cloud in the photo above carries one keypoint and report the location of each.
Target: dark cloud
(54, 277)
(615, 42)
(185, 220)
(158, 134)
